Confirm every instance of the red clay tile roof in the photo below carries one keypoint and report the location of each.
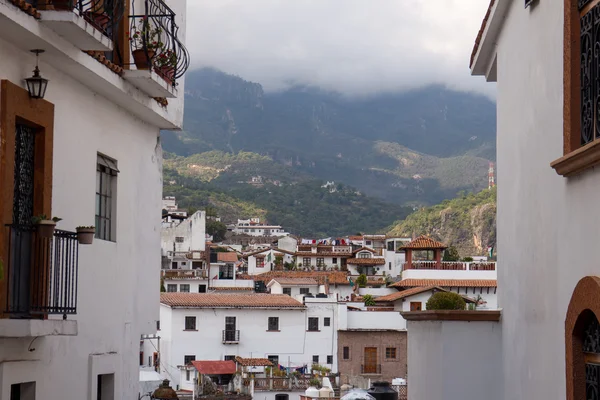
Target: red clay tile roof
(446, 283)
(27, 8)
(363, 249)
(276, 249)
(480, 33)
(215, 367)
(253, 362)
(406, 293)
(424, 243)
(227, 257)
(366, 261)
(355, 238)
(296, 281)
(99, 56)
(228, 300)
(323, 254)
(231, 289)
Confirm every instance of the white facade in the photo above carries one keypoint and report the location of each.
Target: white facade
(186, 236)
(264, 261)
(293, 343)
(523, 50)
(95, 111)
(253, 227)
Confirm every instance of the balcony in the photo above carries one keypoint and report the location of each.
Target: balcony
(159, 56)
(41, 280)
(87, 24)
(449, 270)
(231, 336)
(184, 273)
(373, 369)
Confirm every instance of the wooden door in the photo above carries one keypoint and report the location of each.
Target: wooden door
(370, 360)
(415, 306)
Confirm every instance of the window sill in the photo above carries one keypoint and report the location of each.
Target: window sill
(308, 330)
(190, 330)
(273, 331)
(578, 161)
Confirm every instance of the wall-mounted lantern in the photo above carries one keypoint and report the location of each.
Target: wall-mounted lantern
(36, 85)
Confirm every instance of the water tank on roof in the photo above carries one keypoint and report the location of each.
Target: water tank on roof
(382, 391)
(311, 392)
(325, 392)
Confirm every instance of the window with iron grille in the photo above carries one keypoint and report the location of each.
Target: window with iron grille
(326, 321)
(320, 261)
(188, 359)
(390, 353)
(287, 290)
(274, 359)
(315, 359)
(313, 324)
(106, 188)
(304, 290)
(273, 323)
(260, 262)
(229, 358)
(364, 254)
(329, 359)
(171, 288)
(184, 288)
(179, 239)
(334, 260)
(190, 323)
(306, 262)
(346, 353)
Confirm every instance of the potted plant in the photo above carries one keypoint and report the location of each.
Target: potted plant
(45, 226)
(165, 65)
(85, 234)
(146, 40)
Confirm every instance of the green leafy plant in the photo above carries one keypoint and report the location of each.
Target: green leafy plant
(166, 59)
(361, 281)
(451, 254)
(468, 259)
(446, 301)
(369, 300)
(316, 382)
(39, 218)
(146, 33)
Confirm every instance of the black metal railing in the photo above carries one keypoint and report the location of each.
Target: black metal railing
(370, 368)
(104, 15)
(231, 336)
(41, 272)
(153, 35)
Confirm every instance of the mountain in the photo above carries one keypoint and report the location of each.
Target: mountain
(467, 222)
(248, 185)
(419, 147)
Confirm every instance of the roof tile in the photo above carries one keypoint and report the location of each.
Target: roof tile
(424, 242)
(215, 367)
(366, 261)
(446, 283)
(253, 362)
(480, 33)
(228, 300)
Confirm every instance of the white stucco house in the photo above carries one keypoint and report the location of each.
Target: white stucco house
(180, 238)
(221, 326)
(254, 227)
(87, 150)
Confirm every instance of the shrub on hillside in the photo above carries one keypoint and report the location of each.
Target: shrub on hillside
(446, 301)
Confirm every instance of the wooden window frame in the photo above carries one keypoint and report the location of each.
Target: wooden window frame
(416, 306)
(17, 107)
(576, 158)
(344, 353)
(585, 300)
(388, 353)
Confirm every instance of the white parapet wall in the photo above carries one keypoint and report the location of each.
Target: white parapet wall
(453, 360)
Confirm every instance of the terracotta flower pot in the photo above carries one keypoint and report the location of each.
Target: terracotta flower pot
(140, 59)
(166, 72)
(45, 228)
(85, 235)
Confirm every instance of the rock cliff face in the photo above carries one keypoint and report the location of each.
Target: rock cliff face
(467, 222)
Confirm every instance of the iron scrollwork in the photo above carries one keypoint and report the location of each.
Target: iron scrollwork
(591, 344)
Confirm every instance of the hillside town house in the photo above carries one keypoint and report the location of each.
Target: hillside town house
(79, 140)
(253, 227)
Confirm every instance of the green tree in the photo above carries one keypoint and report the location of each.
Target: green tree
(216, 229)
(451, 254)
(369, 300)
(361, 281)
(446, 301)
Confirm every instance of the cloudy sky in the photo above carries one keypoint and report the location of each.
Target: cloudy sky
(352, 46)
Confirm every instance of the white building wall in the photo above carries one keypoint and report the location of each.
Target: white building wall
(546, 228)
(455, 360)
(193, 232)
(115, 304)
(293, 344)
(391, 320)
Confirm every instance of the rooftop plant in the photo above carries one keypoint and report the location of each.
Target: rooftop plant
(446, 301)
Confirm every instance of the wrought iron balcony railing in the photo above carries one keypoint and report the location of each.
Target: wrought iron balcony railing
(231, 336)
(104, 15)
(41, 272)
(153, 36)
(370, 368)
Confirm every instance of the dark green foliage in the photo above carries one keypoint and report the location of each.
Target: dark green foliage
(468, 259)
(361, 281)
(446, 301)
(216, 229)
(451, 254)
(446, 136)
(369, 300)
